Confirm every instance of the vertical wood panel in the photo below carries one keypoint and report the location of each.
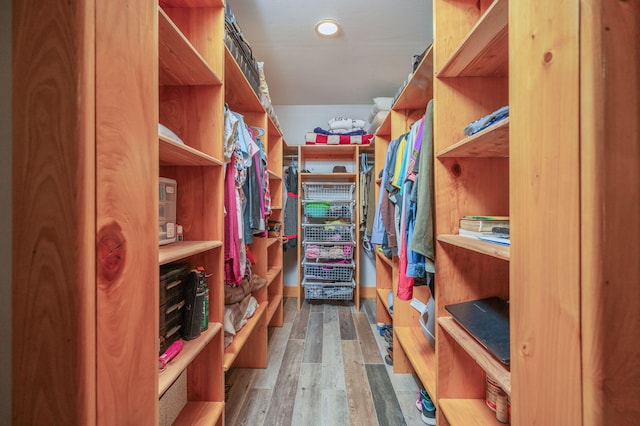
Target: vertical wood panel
(610, 172)
(127, 213)
(544, 207)
(53, 223)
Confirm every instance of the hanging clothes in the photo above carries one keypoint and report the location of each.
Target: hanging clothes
(423, 232)
(291, 206)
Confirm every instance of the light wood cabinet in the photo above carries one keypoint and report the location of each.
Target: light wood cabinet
(92, 303)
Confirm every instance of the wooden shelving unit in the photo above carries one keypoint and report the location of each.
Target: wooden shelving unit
(205, 413)
(421, 355)
(180, 250)
(255, 323)
(471, 177)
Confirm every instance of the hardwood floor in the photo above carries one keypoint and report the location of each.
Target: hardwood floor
(325, 367)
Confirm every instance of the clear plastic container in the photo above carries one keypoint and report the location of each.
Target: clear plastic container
(167, 210)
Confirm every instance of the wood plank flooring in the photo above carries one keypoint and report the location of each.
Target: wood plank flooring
(325, 367)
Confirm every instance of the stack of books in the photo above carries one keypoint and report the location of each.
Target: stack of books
(494, 229)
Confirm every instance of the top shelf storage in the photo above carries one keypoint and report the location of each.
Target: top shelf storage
(484, 52)
(180, 64)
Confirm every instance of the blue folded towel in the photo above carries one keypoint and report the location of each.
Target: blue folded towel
(486, 121)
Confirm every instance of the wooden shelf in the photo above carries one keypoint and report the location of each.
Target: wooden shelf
(384, 298)
(484, 52)
(419, 89)
(490, 142)
(176, 154)
(490, 249)
(325, 152)
(384, 258)
(272, 273)
(421, 355)
(272, 175)
(241, 337)
(191, 3)
(385, 127)
(274, 303)
(478, 353)
(180, 64)
(238, 93)
(327, 176)
(467, 412)
(190, 350)
(200, 413)
(180, 250)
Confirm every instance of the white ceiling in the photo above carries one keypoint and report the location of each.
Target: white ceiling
(372, 56)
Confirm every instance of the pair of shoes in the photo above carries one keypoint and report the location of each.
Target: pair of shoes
(384, 328)
(388, 335)
(388, 359)
(427, 408)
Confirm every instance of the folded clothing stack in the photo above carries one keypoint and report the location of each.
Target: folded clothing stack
(379, 111)
(342, 131)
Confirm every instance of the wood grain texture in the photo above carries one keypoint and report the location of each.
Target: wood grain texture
(127, 214)
(308, 401)
(545, 212)
(254, 408)
(301, 321)
(347, 327)
(472, 412)
(266, 378)
(332, 360)
(53, 220)
(239, 381)
(610, 234)
(490, 142)
(388, 409)
(359, 399)
(368, 344)
(282, 402)
(313, 343)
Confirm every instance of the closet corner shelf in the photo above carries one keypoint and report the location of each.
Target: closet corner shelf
(479, 354)
(385, 259)
(421, 355)
(238, 93)
(490, 142)
(272, 273)
(174, 153)
(200, 413)
(274, 303)
(419, 89)
(273, 175)
(384, 131)
(484, 52)
(383, 295)
(242, 336)
(180, 250)
(180, 64)
(459, 411)
(483, 247)
(190, 350)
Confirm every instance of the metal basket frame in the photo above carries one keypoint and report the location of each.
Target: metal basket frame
(326, 191)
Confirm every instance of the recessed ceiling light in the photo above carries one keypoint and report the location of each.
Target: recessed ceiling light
(327, 28)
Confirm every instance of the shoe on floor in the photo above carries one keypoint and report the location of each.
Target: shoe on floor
(388, 360)
(428, 412)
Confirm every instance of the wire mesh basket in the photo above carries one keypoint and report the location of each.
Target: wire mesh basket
(334, 233)
(328, 250)
(328, 291)
(340, 272)
(328, 191)
(328, 210)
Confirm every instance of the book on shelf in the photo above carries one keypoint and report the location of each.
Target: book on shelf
(483, 223)
(492, 237)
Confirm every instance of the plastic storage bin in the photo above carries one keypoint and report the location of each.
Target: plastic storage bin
(167, 210)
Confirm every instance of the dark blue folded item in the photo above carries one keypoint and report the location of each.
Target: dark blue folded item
(322, 131)
(486, 121)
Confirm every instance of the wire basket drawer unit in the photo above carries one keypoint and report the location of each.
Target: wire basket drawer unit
(335, 233)
(328, 191)
(328, 291)
(328, 250)
(331, 271)
(328, 209)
